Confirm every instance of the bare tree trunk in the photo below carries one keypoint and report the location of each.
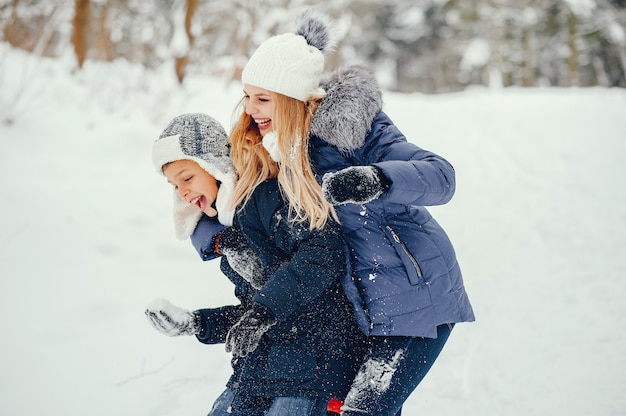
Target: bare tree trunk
(572, 60)
(621, 51)
(529, 65)
(192, 5)
(81, 27)
(9, 30)
(104, 46)
(241, 42)
(181, 62)
(180, 65)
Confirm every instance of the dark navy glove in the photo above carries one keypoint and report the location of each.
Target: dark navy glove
(245, 335)
(231, 238)
(232, 244)
(354, 185)
(172, 320)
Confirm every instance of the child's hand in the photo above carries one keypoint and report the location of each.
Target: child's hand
(172, 320)
(245, 335)
(355, 185)
(232, 244)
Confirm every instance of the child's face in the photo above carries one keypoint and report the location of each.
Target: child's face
(260, 106)
(194, 184)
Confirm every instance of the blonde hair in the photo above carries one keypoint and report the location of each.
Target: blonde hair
(253, 164)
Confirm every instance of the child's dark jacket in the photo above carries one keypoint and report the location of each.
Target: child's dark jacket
(316, 346)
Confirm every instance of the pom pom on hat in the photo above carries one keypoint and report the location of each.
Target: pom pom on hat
(199, 138)
(315, 27)
(292, 63)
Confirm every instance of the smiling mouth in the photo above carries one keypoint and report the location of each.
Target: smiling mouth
(262, 123)
(197, 201)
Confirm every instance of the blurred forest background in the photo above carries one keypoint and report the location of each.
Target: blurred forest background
(428, 46)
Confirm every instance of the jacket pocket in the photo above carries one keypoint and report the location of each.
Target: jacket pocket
(411, 265)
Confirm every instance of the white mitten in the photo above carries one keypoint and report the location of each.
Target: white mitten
(172, 320)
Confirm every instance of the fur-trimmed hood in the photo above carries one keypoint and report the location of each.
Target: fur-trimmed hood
(345, 116)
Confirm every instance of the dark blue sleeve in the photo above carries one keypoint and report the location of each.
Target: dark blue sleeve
(203, 237)
(216, 322)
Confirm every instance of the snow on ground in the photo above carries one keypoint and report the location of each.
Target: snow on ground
(86, 242)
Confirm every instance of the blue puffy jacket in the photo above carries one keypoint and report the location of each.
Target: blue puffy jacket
(406, 279)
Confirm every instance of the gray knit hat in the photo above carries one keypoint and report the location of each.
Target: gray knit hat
(292, 63)
(199, 138)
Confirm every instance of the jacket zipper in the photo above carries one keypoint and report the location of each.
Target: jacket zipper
(406, 251)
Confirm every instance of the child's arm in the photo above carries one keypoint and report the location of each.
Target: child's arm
(216, 323)
(203, 237)
(210, 326)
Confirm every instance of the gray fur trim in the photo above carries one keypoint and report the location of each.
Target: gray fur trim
(345, 116)
(315, 27)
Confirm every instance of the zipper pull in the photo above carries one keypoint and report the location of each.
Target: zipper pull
(393, 234)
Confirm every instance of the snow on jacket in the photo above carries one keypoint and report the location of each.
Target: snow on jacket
(316, 347)
(406, 279)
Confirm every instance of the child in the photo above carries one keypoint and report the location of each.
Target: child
(406, 285)
(294, 340)
(192, 153)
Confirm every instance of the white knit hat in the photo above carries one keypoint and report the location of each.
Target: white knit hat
(199, 138)
(292, 63)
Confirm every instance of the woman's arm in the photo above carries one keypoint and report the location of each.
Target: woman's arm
(388, 167)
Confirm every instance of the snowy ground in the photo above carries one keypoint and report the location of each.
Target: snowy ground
(86, 242)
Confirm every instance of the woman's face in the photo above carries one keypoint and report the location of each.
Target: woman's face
(194, 184)
(260, 106)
